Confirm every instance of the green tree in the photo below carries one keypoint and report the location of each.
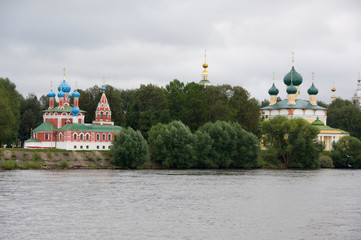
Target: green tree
(176, 98)
(146, 110)
(172, 145)
(344, 115)
(30, 116)
(245, 110)
(217, 98)
(10, 112)
(293, 140)
(195, 111)
(129, 149)
(347, 153)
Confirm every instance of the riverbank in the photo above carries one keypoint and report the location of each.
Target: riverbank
(54, 159)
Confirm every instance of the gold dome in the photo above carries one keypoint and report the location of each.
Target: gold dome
(205, 65)
(333, 89)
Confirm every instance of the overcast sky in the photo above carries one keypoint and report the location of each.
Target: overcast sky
(140, 42)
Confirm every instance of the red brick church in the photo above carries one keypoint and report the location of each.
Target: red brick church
(63, 126)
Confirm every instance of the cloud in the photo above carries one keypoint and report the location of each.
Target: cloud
(138, 42)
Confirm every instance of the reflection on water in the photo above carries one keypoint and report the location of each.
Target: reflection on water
(180, 204)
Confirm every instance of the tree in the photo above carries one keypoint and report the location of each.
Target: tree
(10, 111)
(195, 111)
(149, 103)
(30, 116)
(293, 140)
(172, 145)
(88, 101)
(217, 98)
(245, 110)
(176, 98)
(344, 115)
(129, 149)
(347, 153)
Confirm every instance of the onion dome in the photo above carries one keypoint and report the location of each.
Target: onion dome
(64, 86)
(75, 111)
(205, 65)
(291, 89)
(312, 90)
(51, 94)
(333, 89)
(76, 94)
(69, 95)
(61, 94)
(103, 89)
(296, 77)
(273, 90)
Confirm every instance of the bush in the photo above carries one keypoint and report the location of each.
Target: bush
(36, 157)
(347, 153)
(129, 149)
(10, 165)
(325, 161)
(172, 145)
(63, 164)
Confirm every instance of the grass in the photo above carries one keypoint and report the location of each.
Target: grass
(31, 165)
(64, 164)
(49, 155)
(9, 165)
(36, 157)
(96, 165)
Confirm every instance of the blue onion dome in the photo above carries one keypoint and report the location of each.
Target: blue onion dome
(291, 89)
(103, 89)
(76, 94)
(75, 111)
(69, 95)
(273, 90)
(296, 77)
(61, 94)
(312, 90)
(51, 94)
(64, 86)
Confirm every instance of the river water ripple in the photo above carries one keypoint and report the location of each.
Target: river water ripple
(180, 204)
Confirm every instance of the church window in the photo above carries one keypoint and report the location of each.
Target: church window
(101, 115)
(81, 136)
(103, 147)
(60, 136)
(104, 137)
(75, 136)
(81, 147)
(46, 136)
(87, 137)
(35, 135)
(74, 147)
(106, 115)
(98, 137)
(87, 146)
(97, 147)
(109, 137)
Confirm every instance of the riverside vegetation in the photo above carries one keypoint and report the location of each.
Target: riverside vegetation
(188, 126)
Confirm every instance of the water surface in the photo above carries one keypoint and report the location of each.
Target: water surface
(187, 204)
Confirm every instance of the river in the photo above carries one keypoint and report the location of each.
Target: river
(180, 204)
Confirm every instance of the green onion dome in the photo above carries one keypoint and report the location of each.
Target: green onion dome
(273, 90)
(296, 77)
(312, 90)
(291, 89)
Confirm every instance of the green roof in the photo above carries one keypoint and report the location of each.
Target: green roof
(320, 125)
(90, 128)
(32, 140)
(300, 104)
(67, 108)
(45, 127)
(296, 78)
(204, 81)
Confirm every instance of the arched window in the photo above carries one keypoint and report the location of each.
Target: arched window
(87, 137)
(81, 136)
(101, 115)
(75, 136)
(98, 137)
(106, 115)
(60, 136)
(104, 137)
(109, 137)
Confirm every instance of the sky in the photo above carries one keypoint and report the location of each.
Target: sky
(129, 43)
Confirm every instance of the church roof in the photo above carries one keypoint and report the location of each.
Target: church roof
(89, 128)
(300, 104)
(67, 108)
(45, 127)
